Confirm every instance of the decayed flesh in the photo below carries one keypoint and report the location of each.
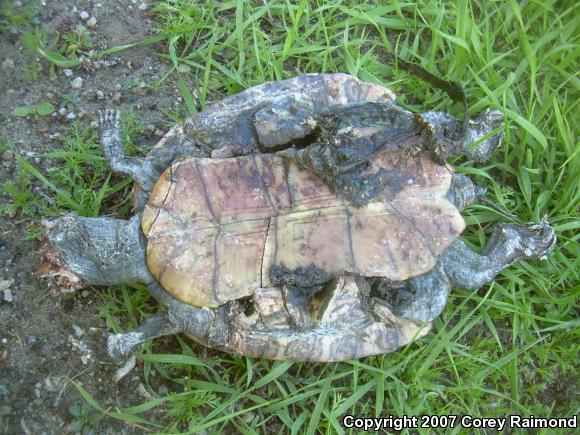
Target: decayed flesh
(275, 114)
(216, 227)
(340, 322)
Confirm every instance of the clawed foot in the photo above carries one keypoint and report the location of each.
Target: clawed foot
(96, 341)
(99, 341)
(109, 347)
(528, 241)
(111, 140)
(110, 125)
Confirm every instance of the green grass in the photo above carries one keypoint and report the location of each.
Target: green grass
(509, 348)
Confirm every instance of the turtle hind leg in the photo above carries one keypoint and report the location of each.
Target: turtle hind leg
(112, 145)
(157, 325)
(424, 297)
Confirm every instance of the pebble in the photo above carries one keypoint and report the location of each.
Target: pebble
(7, 155)
(84, 15)
(142, 6)
(7, 64)
(6, 283)
(92, 22)
(8, 295)
(85, 293)
(100, 95)
(62, 111)
(141, 89)
(67, 72)
(70, 116)
(31, 339)
(48, 384)
(78, 331)
(163, 390)
(183, 68)
(77, 83)
(116, 97)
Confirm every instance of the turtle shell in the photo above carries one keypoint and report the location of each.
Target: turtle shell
(215, 228)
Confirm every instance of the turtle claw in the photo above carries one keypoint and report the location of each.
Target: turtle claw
(109, 121)
(539, 240)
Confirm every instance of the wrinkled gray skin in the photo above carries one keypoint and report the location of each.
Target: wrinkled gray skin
(104, 251)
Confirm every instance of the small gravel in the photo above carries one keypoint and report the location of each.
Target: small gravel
(77, 83)
(7, 155)
(8, 295)
(7, 64)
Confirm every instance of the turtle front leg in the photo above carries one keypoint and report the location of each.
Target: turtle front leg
(112, 144)
(508, 243)
(425, 296)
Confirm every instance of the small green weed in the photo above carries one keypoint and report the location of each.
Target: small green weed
(15, 21)
(81, 180)
(21, 197)
(85, 416)
(186, 409)
(42, 109)
(76, 42)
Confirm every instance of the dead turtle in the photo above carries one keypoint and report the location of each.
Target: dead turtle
(305, 219)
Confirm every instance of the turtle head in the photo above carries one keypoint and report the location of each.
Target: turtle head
(478, 138)
(81, 251)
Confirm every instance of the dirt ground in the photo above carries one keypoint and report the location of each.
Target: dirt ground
(38, 328)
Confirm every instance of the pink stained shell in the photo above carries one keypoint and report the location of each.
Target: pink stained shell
(215, 227)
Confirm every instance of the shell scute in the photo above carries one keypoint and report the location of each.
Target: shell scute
(224, 223)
